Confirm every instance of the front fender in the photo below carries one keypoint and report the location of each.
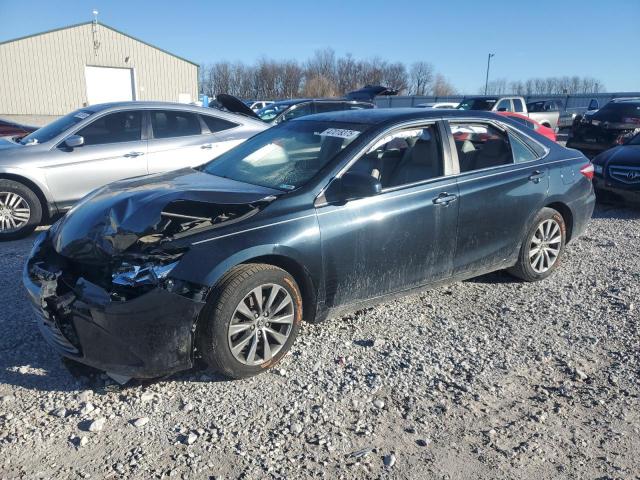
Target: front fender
(34, 176)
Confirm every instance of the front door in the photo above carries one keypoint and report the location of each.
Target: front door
(501, 187)
(113, 150)
(403, 237)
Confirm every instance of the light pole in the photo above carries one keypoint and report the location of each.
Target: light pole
(486, 82)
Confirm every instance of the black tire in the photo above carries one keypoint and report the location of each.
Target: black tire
(524, 268)
(213, 340)
(11, 187)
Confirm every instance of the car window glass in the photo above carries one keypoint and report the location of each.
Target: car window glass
(297, 111)
(521, 152)
(404, 157)
(216, 124)
(322, 107)
(517, 105)
(504, 105)
(113, 128)
(480, 145)
(173, 123)
(357, 106)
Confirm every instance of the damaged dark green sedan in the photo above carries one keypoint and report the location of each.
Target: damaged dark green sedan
(317, 216)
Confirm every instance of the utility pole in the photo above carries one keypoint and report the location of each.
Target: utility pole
(486, 82)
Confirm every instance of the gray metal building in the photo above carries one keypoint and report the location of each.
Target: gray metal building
(55, 72)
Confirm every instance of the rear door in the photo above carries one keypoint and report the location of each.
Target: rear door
(177, 139)
(502, 185)
(113, 149)
(405, 236)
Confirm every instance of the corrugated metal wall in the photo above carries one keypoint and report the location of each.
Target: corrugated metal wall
(44, 74)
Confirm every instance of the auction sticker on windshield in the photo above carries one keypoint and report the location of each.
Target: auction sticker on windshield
(339, 133)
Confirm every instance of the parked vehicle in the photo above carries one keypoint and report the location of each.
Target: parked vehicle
(369, 92)
(286, 110)
(612, 125)
(449, 105)
(46, 172)
(532, 124)
(11, 129)
(514, 104)
(256, 105)
(617, 173)
(572, 116)
(314, 217)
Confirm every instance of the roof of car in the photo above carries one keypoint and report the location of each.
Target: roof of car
(376, 116)
(169, 105)
(295, 101)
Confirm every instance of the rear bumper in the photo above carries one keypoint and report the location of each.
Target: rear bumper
(582, 211)
(146, 337)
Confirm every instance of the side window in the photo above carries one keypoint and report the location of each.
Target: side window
(404, 157)
(113, 128)
(357, 106)
(174, 123)
(480, 145)
(593, 104)
(215, 124)
(504, 105)
(297, 111)
(517, 105)
(322, 107)
(521, 152)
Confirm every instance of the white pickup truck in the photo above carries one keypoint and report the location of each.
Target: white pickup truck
(545, 112)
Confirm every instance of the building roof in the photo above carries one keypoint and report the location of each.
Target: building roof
(106, 26)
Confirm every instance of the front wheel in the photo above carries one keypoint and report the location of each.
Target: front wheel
(20, 210)
(251, 321)
(542, 247)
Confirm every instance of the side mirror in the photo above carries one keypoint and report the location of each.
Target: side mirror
(74, 141)
(358, 185)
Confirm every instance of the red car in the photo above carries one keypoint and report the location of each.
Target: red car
(9, 129)
(527, 122)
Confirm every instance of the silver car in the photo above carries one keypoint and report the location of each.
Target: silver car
(44, 173)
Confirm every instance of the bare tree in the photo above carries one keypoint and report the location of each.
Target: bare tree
(442, 87)
(395, 77)
(420, 78)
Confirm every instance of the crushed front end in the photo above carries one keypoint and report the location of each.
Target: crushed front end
(127, 318)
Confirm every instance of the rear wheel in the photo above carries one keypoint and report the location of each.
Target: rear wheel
(20, 210)
(251, 322)
(542, 247)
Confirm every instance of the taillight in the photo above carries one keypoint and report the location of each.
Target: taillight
(587, 171)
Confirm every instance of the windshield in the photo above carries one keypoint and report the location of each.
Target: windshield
(55, 128)
(285, 157)
(477, 104)
(270, 112)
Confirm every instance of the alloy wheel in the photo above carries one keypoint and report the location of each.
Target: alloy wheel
(261, 324)
(545, 246)
(14, 212)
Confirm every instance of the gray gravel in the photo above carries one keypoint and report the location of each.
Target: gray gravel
(489, 378)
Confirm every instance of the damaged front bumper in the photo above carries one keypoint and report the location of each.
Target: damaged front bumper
(144, 336)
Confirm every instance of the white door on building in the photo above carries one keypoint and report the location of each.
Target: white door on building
(106, 84)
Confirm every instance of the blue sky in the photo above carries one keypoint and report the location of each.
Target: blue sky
(530, 38)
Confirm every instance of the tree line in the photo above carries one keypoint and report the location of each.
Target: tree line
(323, 75)
(544, 86)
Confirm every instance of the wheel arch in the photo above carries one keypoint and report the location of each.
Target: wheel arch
(47, 213)
(567, 216)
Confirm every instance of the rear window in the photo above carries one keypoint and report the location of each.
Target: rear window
(477, 104)
(627, 112)
(215, 124)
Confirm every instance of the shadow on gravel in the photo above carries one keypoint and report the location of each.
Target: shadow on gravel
(616, 211)
(494, 277)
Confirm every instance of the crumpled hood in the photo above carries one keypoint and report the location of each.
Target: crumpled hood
(111, 219)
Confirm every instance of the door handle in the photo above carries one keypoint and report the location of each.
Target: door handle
(445, 199)
(206, 146)
(536, 176)
(133, 154)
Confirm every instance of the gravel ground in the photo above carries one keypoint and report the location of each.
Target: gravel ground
(488, 378)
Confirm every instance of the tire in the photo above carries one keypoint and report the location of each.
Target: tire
(548, 230)
(20, 210)
(224, 311)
